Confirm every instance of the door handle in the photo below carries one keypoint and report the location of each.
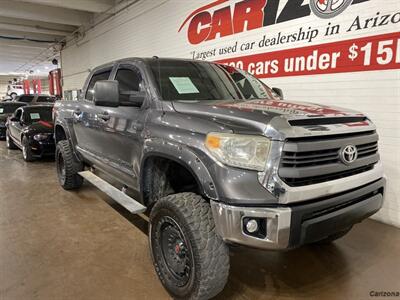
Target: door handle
(104, 116)
(77, 115)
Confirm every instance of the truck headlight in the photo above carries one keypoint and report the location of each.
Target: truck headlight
(237, 150)
(41, 136)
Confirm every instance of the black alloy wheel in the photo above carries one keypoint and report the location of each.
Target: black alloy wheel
(190, 258)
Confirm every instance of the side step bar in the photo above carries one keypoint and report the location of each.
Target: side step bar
(130, 204)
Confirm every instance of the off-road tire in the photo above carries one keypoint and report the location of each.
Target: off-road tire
(9, 142)
(68, 167)
(209, 254)
(333, 237)
(26, 150)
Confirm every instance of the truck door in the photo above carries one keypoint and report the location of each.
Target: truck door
(85, 122)
(123, 126)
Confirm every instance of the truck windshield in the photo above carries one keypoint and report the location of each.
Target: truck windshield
(196, 81)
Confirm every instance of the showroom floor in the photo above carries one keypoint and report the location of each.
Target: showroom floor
(73, 245)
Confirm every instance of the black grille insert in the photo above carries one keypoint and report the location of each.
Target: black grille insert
(326, 121)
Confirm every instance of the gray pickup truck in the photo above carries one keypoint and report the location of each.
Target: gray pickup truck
(216, 158)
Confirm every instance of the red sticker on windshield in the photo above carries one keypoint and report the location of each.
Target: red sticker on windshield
(47, 124)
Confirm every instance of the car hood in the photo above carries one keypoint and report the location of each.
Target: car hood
(40, 127)
(276, 119)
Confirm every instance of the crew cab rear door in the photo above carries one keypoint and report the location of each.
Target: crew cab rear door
(123, 126)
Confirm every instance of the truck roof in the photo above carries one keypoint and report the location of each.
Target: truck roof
(146, 60)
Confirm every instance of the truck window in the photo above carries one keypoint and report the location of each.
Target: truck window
(129, 81)
(101, 75)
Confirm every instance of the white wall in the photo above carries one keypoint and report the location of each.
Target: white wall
(151, 28)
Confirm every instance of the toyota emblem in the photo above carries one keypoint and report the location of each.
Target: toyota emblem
(348, 154)
(327, 9)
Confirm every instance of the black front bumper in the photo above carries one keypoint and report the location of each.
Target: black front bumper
(315, 221)
(291, 226)
(43, 149)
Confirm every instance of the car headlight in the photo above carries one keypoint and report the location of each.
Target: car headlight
(41, 136)
(237, 150)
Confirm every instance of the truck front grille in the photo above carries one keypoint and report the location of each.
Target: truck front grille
(315, 160)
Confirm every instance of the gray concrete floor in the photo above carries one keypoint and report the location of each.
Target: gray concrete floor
(80, 245)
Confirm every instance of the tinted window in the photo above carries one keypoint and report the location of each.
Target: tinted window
(249, 86)
(18, 114)
(103, 75)
(25, 99)
(194, 80)
(45, 99)
(36, 114)
(8, 108)
(129, 81)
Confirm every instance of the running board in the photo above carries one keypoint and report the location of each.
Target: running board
(130, 204)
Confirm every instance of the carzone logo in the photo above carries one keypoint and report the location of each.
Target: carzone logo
(209, 22)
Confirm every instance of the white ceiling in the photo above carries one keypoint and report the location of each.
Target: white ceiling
(31, 31)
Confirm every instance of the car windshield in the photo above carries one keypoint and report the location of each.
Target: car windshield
(36, 114)
(196, 81)
(25, 99)
(45, 99)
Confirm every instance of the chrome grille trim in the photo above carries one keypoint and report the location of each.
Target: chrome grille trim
(315, 161)
(286, 194)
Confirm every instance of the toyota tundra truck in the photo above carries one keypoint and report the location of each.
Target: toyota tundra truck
(215, 158)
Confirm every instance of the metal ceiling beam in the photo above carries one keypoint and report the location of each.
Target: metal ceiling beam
(43, 13)
(94, 6)
(46, 38)
(23, 45)
(33, 29)
(35, 23)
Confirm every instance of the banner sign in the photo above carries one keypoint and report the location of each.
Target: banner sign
(380, 52)
(340, 35)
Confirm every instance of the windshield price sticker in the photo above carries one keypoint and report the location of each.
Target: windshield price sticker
(380, 52)
(34, 116)
(184, 85)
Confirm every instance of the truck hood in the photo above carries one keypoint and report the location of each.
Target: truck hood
(277, 119)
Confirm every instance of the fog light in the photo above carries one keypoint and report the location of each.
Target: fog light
(252, 226)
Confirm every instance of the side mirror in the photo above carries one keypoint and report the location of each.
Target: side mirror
(278, 91)
(136, 99)
(106, 93)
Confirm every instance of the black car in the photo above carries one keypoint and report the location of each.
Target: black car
(30, 128)
(6, 110)
(35, 99)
